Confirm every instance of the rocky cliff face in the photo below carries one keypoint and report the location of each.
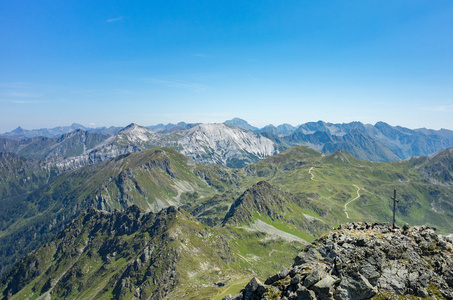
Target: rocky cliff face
(362, 261)
(225, 145)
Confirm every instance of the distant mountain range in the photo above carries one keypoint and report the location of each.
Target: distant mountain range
(20, 133)
(379, 142)
(69, 144)
(161, 128)
(234, 143)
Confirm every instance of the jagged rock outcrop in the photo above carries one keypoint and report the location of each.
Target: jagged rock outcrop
(361, 261)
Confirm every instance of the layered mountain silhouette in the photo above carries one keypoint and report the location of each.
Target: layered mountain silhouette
(234, 143)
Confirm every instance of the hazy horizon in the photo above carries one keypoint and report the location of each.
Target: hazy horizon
(93, 126)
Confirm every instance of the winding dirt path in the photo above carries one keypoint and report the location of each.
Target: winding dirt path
(346, 204)
(311, 174)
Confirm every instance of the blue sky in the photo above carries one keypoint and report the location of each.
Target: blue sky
(103, 63)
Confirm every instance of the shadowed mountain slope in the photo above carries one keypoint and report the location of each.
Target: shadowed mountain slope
(262, 203)
(437, 168)
(67, 145)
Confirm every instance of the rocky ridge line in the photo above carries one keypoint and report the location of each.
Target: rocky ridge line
(362, 261)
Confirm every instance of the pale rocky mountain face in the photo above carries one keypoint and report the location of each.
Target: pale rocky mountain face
(222, 144)
(135, 134)
(206, 144)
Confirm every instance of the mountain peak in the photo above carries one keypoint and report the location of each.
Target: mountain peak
(237, 120)
(381, 124)
(133, 127)
(77, 126)
(262, 198)
(240, 123)
(18, 130)
(270, 126)
(77, 131)
(341, 156)
(134, 134)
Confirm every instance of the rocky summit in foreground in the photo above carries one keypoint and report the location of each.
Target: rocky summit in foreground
(362, 261)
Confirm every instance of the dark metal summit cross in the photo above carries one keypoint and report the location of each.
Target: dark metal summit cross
(394, 206)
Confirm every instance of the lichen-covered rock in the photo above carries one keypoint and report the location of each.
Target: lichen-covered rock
(362, 261)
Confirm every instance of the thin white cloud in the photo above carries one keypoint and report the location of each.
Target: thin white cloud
(382, 103)
(196, 87)
(28, 101)
(20, 90)
(201, 55)
(115, 19)
(19, 85)
(24, 92)
(21, 94)
(125, 92)
(440, 108)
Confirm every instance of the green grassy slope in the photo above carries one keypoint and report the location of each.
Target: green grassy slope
(132, 254)
(328, 182)
(275, 208)
(18, 178)
(152, 179)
